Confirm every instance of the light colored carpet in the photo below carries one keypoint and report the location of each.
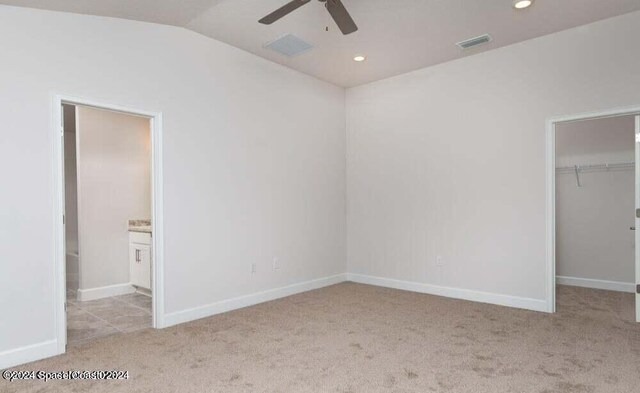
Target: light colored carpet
(359, 338)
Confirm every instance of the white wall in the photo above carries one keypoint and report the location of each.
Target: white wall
(254, 161)
(596, 141)
(114, 186)
(593, 240)
(450, 160)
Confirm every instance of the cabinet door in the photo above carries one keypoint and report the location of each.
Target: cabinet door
(140, 265)
(135, 272)
(145, 266)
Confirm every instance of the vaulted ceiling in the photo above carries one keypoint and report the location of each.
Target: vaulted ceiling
(397, 36)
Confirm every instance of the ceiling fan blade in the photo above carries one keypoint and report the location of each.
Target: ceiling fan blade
(341, 16)
(283, 11)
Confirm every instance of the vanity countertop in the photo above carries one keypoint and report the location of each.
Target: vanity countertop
(140, 226)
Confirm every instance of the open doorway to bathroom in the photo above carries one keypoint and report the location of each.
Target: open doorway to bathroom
(107, 221)
(596, 198)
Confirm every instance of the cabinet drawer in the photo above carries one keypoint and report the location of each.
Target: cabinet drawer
(140, 237)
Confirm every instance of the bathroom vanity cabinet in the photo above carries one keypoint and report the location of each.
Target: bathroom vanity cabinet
(140, 259)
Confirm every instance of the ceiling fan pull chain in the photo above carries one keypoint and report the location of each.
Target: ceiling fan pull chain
(327, 16)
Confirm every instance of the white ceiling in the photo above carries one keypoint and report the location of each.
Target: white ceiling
(396, 35)
(170, 12)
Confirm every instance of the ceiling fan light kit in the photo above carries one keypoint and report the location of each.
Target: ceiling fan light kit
(335, 8)
(522, 4)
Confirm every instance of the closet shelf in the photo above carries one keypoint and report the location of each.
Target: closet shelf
(596, 167)
(577, 169)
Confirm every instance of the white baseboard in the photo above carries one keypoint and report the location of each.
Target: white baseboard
(29, 353)
(102, 292)
(597, 284)
(249, 300)
(456, 293)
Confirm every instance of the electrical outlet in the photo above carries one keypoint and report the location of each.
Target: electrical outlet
(276, 263)
(439, 260)
(253, 268)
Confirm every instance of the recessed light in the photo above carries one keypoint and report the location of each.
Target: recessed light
(522, 4)
(360, 58)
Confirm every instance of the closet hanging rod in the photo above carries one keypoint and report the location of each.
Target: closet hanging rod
(582, 168)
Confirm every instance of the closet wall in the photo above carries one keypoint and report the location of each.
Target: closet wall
(595, 245)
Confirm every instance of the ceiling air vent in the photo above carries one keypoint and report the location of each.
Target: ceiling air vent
(289, 45)
(471, 42)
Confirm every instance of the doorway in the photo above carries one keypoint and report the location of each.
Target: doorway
(592, 196)
(109, 222)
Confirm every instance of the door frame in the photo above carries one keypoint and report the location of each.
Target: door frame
(550, 163)
(157, 209)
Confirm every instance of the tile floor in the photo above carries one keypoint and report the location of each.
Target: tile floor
(90, 320)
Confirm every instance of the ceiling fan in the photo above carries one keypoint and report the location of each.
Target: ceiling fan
(335, 7)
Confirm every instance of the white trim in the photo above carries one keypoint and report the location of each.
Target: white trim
(59, 248)
(102, 292)
(551, 190)
(597, 284)
(222, 306)
(636, 256)
(58, 230)
(29, 353)
(550, 251)
(157, 222)
(455, 293)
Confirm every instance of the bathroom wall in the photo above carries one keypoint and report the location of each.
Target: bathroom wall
(71, 200)
(594, 246)
(114, 168)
